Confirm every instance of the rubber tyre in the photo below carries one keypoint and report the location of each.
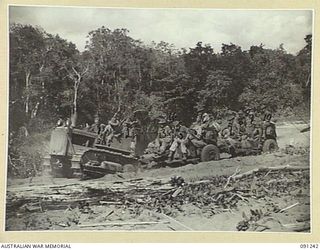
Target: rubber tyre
(270, 132)
(269, 146)
(210, 153)
(127, 168)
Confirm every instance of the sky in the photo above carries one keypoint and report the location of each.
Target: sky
(181, 27)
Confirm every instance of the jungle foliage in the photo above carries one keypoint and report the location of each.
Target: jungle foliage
(50, 78)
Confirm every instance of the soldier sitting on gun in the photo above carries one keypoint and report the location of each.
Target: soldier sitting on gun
(179, 142)
(195, 139)
(253, 126)
(268, 126)
(195, 142)
(228, 138)
(197, 122)
(211, 128)
(164, 137)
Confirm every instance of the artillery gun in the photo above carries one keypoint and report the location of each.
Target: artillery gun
(213, 146)
(264, 142)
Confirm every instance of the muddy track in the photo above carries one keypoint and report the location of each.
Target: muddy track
(244, 193)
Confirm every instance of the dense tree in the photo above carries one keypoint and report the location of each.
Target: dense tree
(26, 60)
(39, 64)
(303, 75)
(119, 66)
(117, 72)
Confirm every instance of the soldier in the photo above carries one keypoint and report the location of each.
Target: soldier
(227, 134)
(210, 129)
(127, 128)
(114, 122)
(179, 141)
(205, 118)
(86, 127)
(60, 122)
(135, 130)
(198, 133)
(108, 134)
(227, 131)
(198, 120)
(194, 142)
(257, 132)
(95, 127)
(101, 136)
(250, 124)
(267, 116)
(246, 129)
(239, 124)
(68, 123)
(164, 136)
(268, 126)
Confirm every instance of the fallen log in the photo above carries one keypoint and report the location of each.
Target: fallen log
(289, 207)
(232, 176)
(298, 227)
(253, 171)
(134, 223)
(173, 220)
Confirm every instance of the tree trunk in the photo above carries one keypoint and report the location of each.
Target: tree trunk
(28, 76)
(140, 75)
(99, 98)
(35, 110)
(74, 114)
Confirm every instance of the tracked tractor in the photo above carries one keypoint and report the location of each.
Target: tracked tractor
(76, 153)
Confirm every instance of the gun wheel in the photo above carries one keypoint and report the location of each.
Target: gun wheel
(210, 153)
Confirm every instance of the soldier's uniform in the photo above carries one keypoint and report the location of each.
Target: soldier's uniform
(250, 124)
(179, 142)
(227, 134)
(268, 126)
(164, 137)
(194, 142)
(108, 134)
(197, 122)
(101, 135)
(210, 129)
(95, 127)
(135, 130)
(239, 124)
(127, 129)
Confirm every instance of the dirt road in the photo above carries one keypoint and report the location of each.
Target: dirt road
(268, 200)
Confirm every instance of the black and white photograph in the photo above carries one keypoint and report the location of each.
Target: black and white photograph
(159, 119)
